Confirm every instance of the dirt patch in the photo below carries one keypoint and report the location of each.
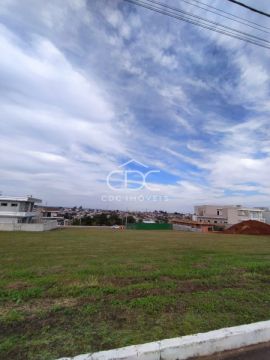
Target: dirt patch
(167, 278)
(34, 306)
(18, 285)
(50, 270)
(148, 267)
(92, 281)
(187, 286)
(123, 281)
(200, 266)
(249, 227)
(31, 324)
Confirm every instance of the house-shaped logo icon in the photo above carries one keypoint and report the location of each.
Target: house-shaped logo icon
(131, 179)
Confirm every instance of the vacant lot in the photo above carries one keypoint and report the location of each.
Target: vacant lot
(74, 291)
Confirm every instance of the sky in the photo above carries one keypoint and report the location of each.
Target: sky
(95, 92)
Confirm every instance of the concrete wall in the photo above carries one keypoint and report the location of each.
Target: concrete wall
(266, 216)
(8, 220)
(29, 227)
(188, 228)
(237, 215)
(8, 207)
(21, 206)
(212, 213)
(233, 216)
(211, 210)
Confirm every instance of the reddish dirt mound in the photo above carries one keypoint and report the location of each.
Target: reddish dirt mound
(249, 227)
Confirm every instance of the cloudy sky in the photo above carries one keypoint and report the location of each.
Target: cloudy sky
(85, 86)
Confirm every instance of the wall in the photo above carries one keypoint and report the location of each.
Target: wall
(209, 213)
(8, 207)
(266, 216)
(181, 227)
(7, 220)
(238, 215)
(29, 227)
(210, 210)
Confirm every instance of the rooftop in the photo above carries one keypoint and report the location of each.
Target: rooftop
(20, 199)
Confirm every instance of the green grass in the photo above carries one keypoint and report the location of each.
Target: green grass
(74, 291)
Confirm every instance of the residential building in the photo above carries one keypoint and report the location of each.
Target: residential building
(53, 213)
(15, 210)
(226, 214)
(19, 213)
(266, 216)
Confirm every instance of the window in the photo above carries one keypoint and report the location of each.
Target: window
(3, 204)
(13, 204)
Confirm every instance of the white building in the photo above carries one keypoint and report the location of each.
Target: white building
(266, 216)
(18, 213)
(227, 214)
(17, 209)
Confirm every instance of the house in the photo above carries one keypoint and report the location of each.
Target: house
(53, 213)
(19, 213)
(266, 216)
(14, 210)
(226, 215)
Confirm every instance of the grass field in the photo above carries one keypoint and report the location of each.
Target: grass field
(74, 291)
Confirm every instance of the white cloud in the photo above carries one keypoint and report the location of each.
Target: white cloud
(50, 110)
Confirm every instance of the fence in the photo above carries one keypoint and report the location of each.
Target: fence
(145, 226)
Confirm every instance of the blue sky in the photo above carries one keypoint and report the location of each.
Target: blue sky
(89, 85)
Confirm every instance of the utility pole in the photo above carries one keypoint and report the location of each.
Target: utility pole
(126, 217)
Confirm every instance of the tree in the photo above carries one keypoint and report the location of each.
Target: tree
(131, 219)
